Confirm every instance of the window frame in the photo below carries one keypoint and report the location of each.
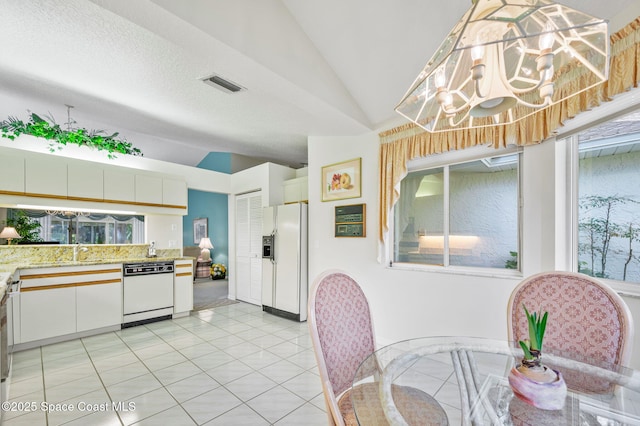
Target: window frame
(573, 194)
(46, 222)
(445, 161)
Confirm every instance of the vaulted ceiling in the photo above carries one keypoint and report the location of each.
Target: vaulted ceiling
(310, 67)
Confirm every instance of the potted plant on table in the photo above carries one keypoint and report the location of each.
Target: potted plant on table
(532, 381)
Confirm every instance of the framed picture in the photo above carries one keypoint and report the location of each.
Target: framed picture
(341, 180)
(199, 229)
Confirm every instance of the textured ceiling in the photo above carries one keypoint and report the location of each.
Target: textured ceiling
(311, 68)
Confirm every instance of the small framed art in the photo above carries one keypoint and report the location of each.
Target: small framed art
(341, 180)
(199, 229)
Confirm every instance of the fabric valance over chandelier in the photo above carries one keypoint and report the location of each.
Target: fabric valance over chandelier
(499, 63)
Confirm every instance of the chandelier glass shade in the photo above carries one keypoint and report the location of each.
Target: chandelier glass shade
(66, 213)
(502, 62)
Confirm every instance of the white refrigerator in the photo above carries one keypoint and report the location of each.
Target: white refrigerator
(284, 261)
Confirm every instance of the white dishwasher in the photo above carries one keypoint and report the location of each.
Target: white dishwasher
(147, 292)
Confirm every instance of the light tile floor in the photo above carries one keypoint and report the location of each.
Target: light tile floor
(232, 365)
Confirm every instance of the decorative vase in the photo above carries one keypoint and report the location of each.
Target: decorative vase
(538, 385)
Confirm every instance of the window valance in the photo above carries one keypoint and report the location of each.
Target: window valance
(406, 142)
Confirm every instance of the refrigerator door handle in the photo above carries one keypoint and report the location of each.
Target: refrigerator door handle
(274, 252)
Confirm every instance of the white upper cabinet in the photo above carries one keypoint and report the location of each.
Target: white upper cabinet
(12, 173)
(174, 192)
(59, 179)
(46, 175)
(119, 184)
(148, 189)
(296, 190)
(85, 180)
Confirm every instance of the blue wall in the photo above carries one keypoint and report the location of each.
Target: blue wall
(218, 162)
(213, 206)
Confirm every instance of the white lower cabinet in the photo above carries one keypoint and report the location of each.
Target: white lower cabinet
(55, 302)
(47, 313)
(98, 306)
(183, 286)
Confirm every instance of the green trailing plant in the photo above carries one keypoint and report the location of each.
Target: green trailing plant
(39, 127)
(537, 324)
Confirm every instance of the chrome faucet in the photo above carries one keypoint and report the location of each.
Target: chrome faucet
(151, 251)
(77, 248)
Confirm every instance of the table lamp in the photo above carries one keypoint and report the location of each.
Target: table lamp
(10, 233)
(205, 245)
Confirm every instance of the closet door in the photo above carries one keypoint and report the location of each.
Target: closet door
(249, 247)
(255, 248)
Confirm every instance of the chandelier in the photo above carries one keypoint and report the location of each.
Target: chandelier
(67, 213)
(501, 63)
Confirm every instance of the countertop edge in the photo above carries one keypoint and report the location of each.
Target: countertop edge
(12, 267)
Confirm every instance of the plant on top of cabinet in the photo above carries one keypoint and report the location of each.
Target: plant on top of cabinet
(50, 130)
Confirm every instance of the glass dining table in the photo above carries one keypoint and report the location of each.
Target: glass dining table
(467, 376)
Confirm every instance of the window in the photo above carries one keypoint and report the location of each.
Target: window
(71, 228)
(463, 214)
(609, 199)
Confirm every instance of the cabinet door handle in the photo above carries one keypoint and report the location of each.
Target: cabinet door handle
(12, 292)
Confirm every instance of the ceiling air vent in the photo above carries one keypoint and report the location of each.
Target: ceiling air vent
(223, 84)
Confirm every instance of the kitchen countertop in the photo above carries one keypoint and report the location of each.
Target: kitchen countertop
(4, 277)
(8, 269)
(48, 264)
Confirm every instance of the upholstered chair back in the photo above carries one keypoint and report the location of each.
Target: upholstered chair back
(587, 320)
(342, 319)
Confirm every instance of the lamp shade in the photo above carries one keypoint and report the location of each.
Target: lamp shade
(205, 245)
(505, 60)
(9, 233)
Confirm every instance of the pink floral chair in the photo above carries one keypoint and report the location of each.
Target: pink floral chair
(587, 321)
(342, 333)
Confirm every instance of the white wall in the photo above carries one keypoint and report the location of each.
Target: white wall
(165, 230)
(409, 303)
(405, 303)
(539, 208)
(634, 307)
